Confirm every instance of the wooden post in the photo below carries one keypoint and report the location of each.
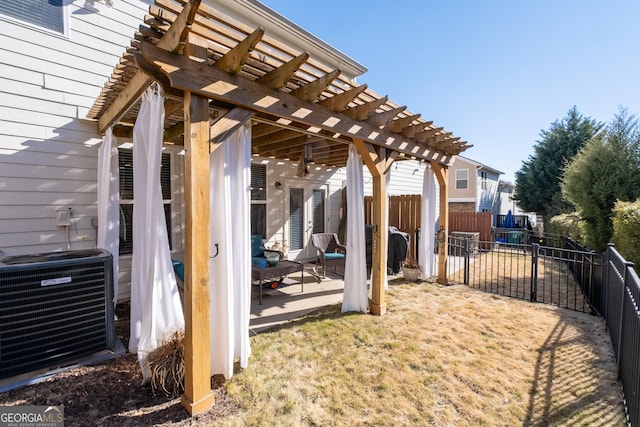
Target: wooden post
(378, 305)
(442, 175)
(198, 396)
(378, 163)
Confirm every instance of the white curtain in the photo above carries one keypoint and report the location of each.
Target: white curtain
(156, 310)
(230, 271)
(355, 275)
(385, 278)
(427, 224)
(108, 234)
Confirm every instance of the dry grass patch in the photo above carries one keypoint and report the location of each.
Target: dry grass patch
(509, 273)
(440, 356)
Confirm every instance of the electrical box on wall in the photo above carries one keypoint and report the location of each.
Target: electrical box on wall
(63, 217)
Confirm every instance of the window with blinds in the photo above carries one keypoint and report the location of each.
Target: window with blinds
(318, 210)
(259, 200)
(46, 14)
(296, 219)
(462, 179)
(125, 157)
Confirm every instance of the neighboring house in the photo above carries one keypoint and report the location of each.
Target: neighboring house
(473, 187)
(54, 61)
(507, 203)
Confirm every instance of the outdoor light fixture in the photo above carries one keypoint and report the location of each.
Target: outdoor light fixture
(308, 153)
(278, 185)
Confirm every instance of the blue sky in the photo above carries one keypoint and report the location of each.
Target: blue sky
(493, 72)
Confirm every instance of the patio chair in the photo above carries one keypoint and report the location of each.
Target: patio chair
(259, 253)
(329, 251)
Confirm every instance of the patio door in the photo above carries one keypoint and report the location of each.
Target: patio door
(306, 210)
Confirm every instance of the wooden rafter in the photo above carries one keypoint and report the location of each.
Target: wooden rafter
(397, 125)
(341, 101)
(226, 125)
(173, 132)
(363, 111)
(278, 77)
(233, 60)
(382, 118)
(312, 91)
(413, 130)
(186, 74)
(427, 133)
(261, 129)
(263, 142)
(171, 41)
(447, 143)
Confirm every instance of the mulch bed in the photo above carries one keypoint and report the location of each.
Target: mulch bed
(111, 393)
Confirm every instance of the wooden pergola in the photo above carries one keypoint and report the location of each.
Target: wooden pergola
(217, 74)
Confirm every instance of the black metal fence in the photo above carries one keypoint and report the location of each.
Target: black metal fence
(567, 275)
(621, 295)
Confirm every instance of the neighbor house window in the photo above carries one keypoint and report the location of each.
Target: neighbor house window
(462, 179)
(259, 200)
(49, 14)
(126, 197)
(483, 180)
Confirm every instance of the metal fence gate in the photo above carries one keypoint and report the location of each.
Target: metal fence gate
(566, 277)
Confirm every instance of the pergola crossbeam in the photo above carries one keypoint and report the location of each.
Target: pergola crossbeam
(186, 74)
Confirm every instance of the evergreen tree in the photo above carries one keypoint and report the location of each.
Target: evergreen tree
(607, 169)
(538, 181)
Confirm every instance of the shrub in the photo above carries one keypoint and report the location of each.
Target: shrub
(570, 225)
(626, 230)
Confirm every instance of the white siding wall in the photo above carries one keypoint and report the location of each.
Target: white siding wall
(285, 173)
(406, 178)
(489, 198)
(48, 151)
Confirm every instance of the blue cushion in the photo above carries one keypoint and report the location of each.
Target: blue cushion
(257, 249)
(259, 262)
(333, 255)
(178, 268)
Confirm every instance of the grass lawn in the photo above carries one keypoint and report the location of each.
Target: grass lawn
(445, 356)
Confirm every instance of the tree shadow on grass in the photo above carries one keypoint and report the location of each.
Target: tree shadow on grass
(573, 386)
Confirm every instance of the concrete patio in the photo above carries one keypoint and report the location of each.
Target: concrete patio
(289, 302)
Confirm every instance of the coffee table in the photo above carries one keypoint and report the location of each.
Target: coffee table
(279, 270)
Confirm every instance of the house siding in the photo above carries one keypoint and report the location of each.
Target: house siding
(48, 151)
(469, 193)
(488, 197)
(332, 179)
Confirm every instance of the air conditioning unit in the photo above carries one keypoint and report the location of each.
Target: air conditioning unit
(56, 309)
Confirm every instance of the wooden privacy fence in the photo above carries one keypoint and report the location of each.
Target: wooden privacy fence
(405, 214)
(472, 221)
